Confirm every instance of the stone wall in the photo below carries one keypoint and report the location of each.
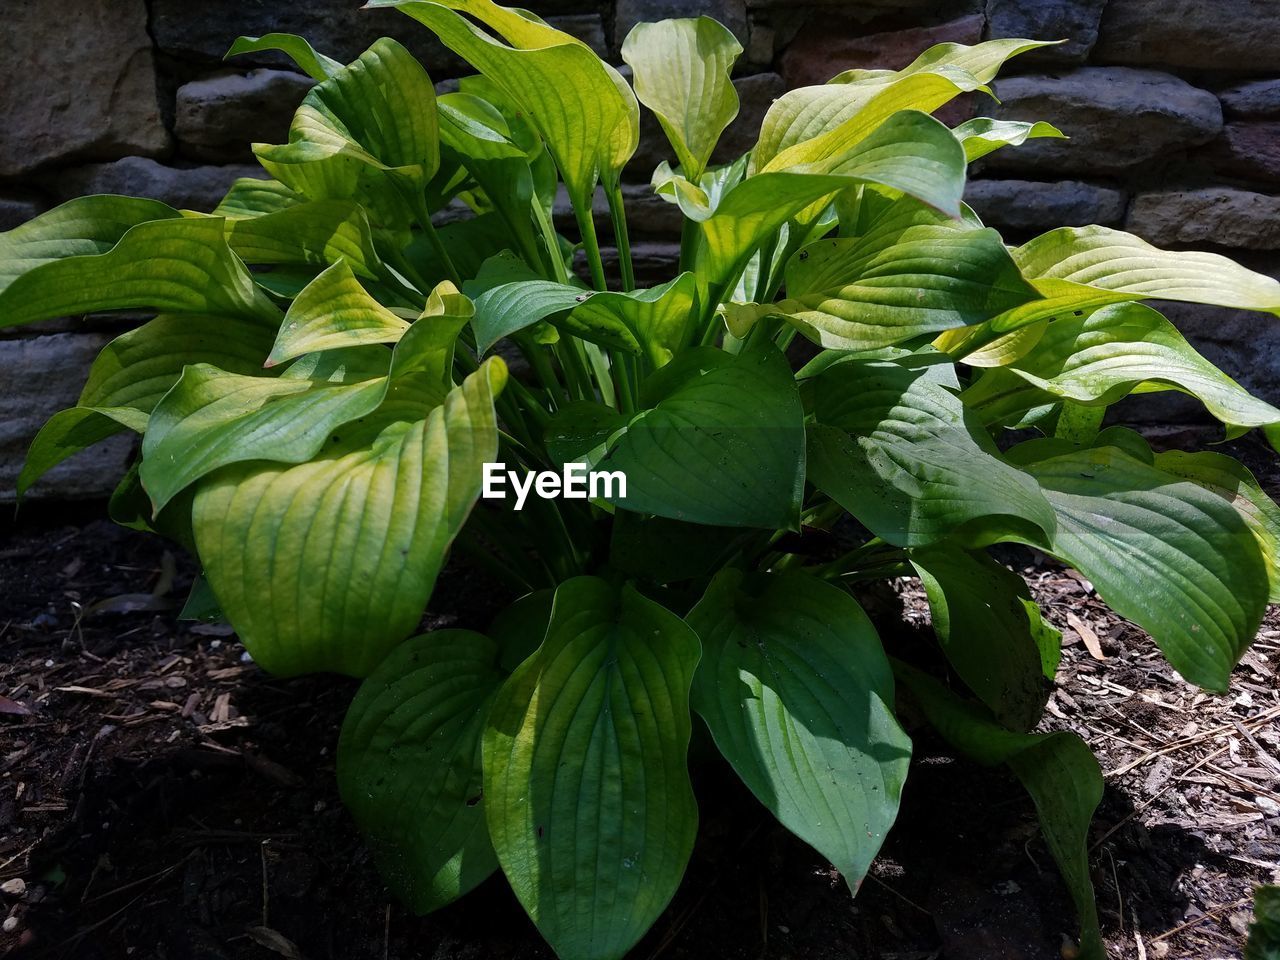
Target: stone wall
(1173, 107)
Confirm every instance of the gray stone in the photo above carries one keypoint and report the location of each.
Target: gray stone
(732, 13)
(191, 188)
(1116, 117)
(1247, 150)
(43, 375)
(218, 117)
(827, 46)
(203, 32)
(654, 262)
(77, 82)
(1030, 207)
(18, 210)
(1236, 35)
(1075, 21)
(587, 27)
(1257, 100)
(756, 94)
(1222, 216)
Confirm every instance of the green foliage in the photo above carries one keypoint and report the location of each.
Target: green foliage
(317, 411)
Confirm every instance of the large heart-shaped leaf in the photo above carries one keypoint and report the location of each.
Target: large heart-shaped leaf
(331, 312)
(586, 783)
(1101, 358)
(369, 132)
(250, 197)
(1057, 769)
(132, 373)
(588, 136)
(901, 453)
(328, 564)
(80, 227)
(723, 446)
(656, 321)
(908, 272)
(315, 234)
(910, 152)
(990, 630)
(681, 72)
(212, 418)
(1120, 262)
(167, 265)
(798, 695)
(1234, 482)
(1173, 557)
(409, 765)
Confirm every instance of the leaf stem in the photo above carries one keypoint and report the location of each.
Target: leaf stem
(618, 214)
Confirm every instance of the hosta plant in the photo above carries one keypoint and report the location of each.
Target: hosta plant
(323, 386)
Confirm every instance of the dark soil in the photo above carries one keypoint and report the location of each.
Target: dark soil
(161, 797)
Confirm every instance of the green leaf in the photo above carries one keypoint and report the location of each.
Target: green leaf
(900, 452)
(315, 234)
(367, 133)
(656, 321)
(81, 227)
(212, 418)
(983, 135)
(1122, 263)
(910, 272)
(409, 765)
(1234, 482)
(1105, 356)
(1264, 932)
(331, 312)
(588, 136)
(315, 65)
(132, 373)
(1057, 769)
(724, 445)
(251, 197)
(171, 266)
(1166, 553)
(911, 152)
(586, 781)
(327, 565)
(990, 631)
(681, 72)
(798, 695)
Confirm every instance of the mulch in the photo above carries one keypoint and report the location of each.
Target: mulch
(161, 797)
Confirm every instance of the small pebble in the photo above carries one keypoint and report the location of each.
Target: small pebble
(10, 924)
(15, 887)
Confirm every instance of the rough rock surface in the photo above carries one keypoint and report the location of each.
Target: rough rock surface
(1258, 99)
(1248, 151)
(1025, 206)
(42, 376)
(218, 117)
(1221, 216)
(190, 188)
(16, 210)
(587, 27)
(82, 93)
(203, 32)
(1075, 21)
(1235, 35)
(732, 13)
(826, 47)
(1116, 117)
